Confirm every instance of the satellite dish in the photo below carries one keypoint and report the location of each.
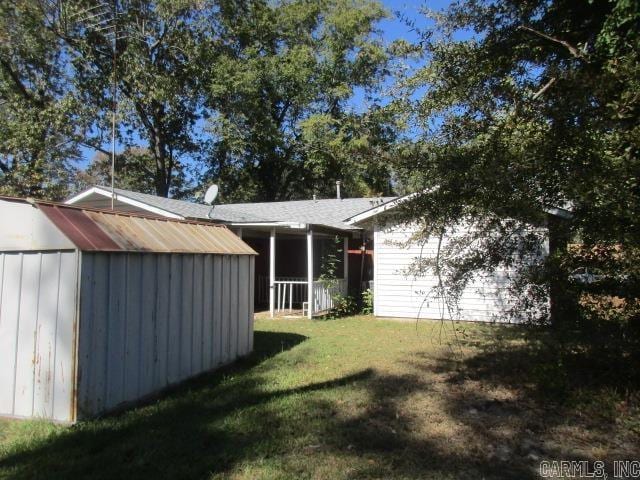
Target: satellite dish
(212, 193)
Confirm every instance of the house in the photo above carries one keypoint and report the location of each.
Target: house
(290, 238)
(99, 309)
(399, 294)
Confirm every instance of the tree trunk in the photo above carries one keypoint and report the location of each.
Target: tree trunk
(163, 177)
(562, 302)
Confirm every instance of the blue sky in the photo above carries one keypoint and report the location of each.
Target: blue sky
(392, 28)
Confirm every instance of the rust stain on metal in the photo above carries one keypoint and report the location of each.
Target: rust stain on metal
(79, 228)
(100, 230)
(75, 367)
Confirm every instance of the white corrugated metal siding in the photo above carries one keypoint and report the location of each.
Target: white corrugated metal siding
(398, 294)
(151, 320)
(37, 335)
(99, 309)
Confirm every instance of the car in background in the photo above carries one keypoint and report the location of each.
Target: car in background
(586, 276)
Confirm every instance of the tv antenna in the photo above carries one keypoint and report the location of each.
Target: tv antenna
(210, 196)
(102, 18)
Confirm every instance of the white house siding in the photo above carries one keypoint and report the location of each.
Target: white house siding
(37, 334)
(399, 294)
(152, 320)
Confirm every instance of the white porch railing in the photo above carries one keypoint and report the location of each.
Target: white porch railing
(298, 290)
(291, 292)
(324, 293)
(287, 291)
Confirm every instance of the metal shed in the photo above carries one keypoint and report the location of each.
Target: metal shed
(99, 309)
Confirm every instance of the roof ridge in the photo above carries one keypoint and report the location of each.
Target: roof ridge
(307, 200)
(246, 203)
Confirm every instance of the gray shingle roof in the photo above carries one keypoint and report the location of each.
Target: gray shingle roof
(329, 212)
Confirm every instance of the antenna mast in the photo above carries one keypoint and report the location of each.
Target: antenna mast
(101, 17)
(114, 96)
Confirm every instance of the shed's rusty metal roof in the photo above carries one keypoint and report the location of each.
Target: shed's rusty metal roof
(113, 231)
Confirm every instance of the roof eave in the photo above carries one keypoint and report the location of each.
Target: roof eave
(367, 215)
(372, 212)
(292, 225)
(123, 199)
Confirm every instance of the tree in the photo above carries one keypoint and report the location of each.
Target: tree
(156, 67)
(134, 170)
(42, 119)
(538, 109)
(278, 93)
(271, 82)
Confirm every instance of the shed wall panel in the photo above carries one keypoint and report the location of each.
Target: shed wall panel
(148, 324)
(37, 345)
(208, 319)
(168, 323)
(197, 303)
(9, 324)
(175, 327)
(161, 333)
(65, 355)
(186, 334)
(243, 304)
(218, 306)
(27, 335)
(233, 307)
(47, 323)
(132, 358)
(225, 305)
(25, 228)
(117, 280)
(252, 271)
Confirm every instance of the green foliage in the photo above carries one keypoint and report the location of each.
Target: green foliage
(157, 70)
(331, 259)
(343, 306)
(540, 109)
(252, 94)
(367, 302)
(280, 123)
(134, 170)
(42, 118)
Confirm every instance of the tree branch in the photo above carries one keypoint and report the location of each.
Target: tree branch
(159, 40)
(29, 96)
(283, 112)
(544, 88)
(95, 147)
(575, 52)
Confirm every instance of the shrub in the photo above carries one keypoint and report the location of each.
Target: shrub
(367, 302)
(343, 306)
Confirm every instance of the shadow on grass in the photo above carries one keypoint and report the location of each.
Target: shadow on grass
(552, 366)
(531, 393)
(181, 435)
(234, 419)
(518, 396)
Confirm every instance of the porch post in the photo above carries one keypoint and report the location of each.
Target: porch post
(310, 273)
(239, 232)
(345, 269)
(272, 270)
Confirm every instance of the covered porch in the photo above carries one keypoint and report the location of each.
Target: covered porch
(290, 265)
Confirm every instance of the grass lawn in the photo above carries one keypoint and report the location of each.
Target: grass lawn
(354, 398)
